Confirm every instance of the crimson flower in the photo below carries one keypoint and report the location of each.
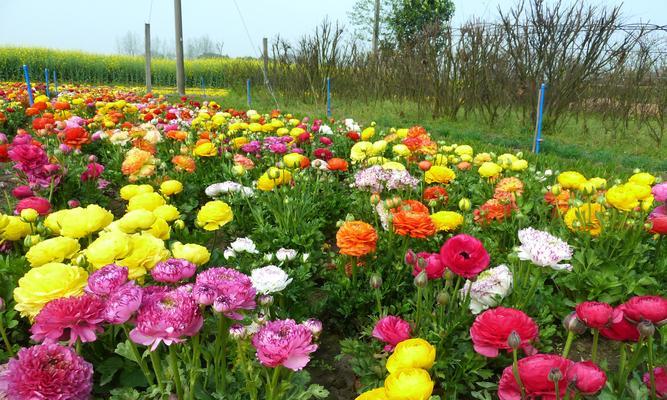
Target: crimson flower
(492, 328)
(464, 255)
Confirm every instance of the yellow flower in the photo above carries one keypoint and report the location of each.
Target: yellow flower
(439, 174)
(194, 253)
(440, 159)
(447, 221)
(598, 183)
(360, 150)
(463, 150)
(411, 353)
(56, 249)
(78, 222)
(643, 178)
(206, 149)
(171, 187)
(506, 160)
(489, 170)
(29, 215)
(4, 221)
(397, 166)
(145, 201)
(400, 150)
(272, 178)
(647, 203)
(295, 132)
(135, 221)
(519, 165)
(377, 160)
(160, 229)
(14, 229)
(571, 180)
(641, 191)
(368, 133)
(409, 384)
(107, 248)
(167, 212)
(375, 394)
(621, 198)
(214, 214)
(481, 158)
(585, 218)
(378, 148)
(293, 160)
(129, 191)
(48, 282)
(146, 251)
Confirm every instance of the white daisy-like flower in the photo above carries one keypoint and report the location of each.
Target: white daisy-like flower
(543, 249)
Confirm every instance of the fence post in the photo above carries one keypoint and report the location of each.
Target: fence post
(46, 79)
(247, 88)
(538, 127)
(55, 83)
(26, 75)
(203, 87)
(328, 97)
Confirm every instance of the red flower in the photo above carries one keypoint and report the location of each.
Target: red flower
(464, 255)
(337, 164)
(646, 308)
(4, 152)
(392, 330)
(353, 135)
(326, 141)
(21, 192)
(658, 220)
(622, 331)
(74, 137)
(92, 172)
(69, 318)
(436, 193)
(597, 315)
(534, 373)
(39, 204)
(587, 377)
(323, 154)
(433, 265)
(660, 381)
(492, 328)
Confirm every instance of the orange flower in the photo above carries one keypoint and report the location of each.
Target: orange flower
(561, 202)
(494, 209)
(510, 185)
(177, 135)
(184, 163)
(144, 145)
(74, 137)
(415, 224)
(61, 105)
(356, 238)
(411, 205)
(244, 161)
(337, 164)
(436, 193)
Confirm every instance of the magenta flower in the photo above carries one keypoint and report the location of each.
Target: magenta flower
(21, 192)
(232, 289)
(48, 371)
(173, 270)
(167, 319)
(660, 192)
(92, 172)
(39, 204)
(69, 318)
(392, 330)
(284, 342)
(278, 148)
(106, 280)
(123, 303)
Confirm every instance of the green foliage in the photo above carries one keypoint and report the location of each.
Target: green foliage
(412, 18)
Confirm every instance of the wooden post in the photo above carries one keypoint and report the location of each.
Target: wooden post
(147, 56)
(180, 64)
(376, 28)
(265, 55)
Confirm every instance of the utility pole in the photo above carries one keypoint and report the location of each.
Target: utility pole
(376, 28)
(147, 56)
(265, 56)
(180, 65)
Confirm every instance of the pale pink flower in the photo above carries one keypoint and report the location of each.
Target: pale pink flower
(284, 342)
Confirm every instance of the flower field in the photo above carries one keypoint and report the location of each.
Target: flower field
(158, 248)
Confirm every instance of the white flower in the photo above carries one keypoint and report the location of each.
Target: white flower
(269, 279)
(489, 289)
(325, 130)
(245, 244)
(285, 254)
(350, 125)
(218, 189)
(229, 253)
(305, 256)
(543, 249)
(319, 164)
(548, 172)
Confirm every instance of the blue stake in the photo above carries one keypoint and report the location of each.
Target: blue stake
(46, 79)
(26, 75)
(55, 83)
(540, 112)
(328, 97)
(248, 91)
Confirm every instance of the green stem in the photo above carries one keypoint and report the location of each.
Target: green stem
(623, 359)
(274, 383)
(557, 389)
(568, 343)
(157, 367)
(221, 354)
(194, 368)
(78, 347)
(252, 389)
(173, 363)
(378, 301)
(651, 366)
(631, 366)
(5, 338)
(137, 356)
(594, 352)
(419, 310)
(515, 370)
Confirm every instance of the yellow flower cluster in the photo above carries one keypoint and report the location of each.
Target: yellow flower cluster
(272, 178)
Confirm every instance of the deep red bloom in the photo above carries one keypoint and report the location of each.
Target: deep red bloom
(660, 381)
(622, 331)
(492, 328)
(658, 220)
(323, 154)
(438, 193)
(353, 135)
(646, 308)
(69, 318)
(326, 141)
(4, 152)
(597, 315)
(464, 255)
(534, 373)
(587, 377)
(21, 192)
(39, 204)
(392, 330)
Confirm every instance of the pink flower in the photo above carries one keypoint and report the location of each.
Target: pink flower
(326, 141)
(392, 330)
(233, 291)
(622, 331)
(39, 204)
(92, 172)
(48, 371)
(69, 318)
(660, 192)
(173, 270)
(534, 373)
(123, 303)
(284, 342)
(21, 192)
(28, 157)
(167, 319)
(660, 374)
(278, 148)
(492, 329)
(597, 315)
(587, 377)
(433, 265)
(106, 280)
(647, 308)
(464, 255)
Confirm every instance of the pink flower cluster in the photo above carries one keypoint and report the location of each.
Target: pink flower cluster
(226, 289)
(32, 160)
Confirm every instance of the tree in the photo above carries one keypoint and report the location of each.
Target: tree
(362, 18)
(410, 19)
(129, 44)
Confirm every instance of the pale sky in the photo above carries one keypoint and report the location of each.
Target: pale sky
(93, 26)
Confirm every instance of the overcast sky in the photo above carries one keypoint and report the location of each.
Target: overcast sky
(94, 25)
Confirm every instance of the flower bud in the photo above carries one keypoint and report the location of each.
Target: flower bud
(574, 324)
(375, 199)
(315, 326)
(646, 329)
(410, 257)
(73, 203)
(237, 331)
(421, 280)
(179, 224)
(265, 300)
(442, 299)
(514, 340)
(238, 170)
(29, 215)
(556, 189)
(421, 262)
(555, 375)
(464, 204)
(376, 281)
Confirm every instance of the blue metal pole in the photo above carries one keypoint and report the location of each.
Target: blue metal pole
(55, 82)
(46, 79)
(248, 91)
(539, 119)
(26, 75)
(328, 97)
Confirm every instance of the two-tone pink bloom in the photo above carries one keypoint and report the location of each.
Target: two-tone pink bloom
(228, 290)
(284, 342)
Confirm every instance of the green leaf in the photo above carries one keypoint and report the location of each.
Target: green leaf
(108, 369)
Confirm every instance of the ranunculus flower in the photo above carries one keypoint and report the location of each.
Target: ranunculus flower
(587, 377)
(434, 266)
(57, 249)
(69, 318)
(284, 342)
(123, 303)
(39, 204)
(173, 270)
(214, 215)
(411, 353)
(194, 253)
(374, 394)
(48, 371)
(464, 255)
(488, 289)
(646, 308)
(269, 279)
(392, 330)
(660, 374)
(622, 331)
(543, 249)
(228, 290)
(145, 201)
(92, 172)
(534, 374)
(74, 137)
(597, 315)
(106, 280)
(356, 238)
(660, 192)
(21, 192)
(409, 384)
(492, 329)
(658, 220)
